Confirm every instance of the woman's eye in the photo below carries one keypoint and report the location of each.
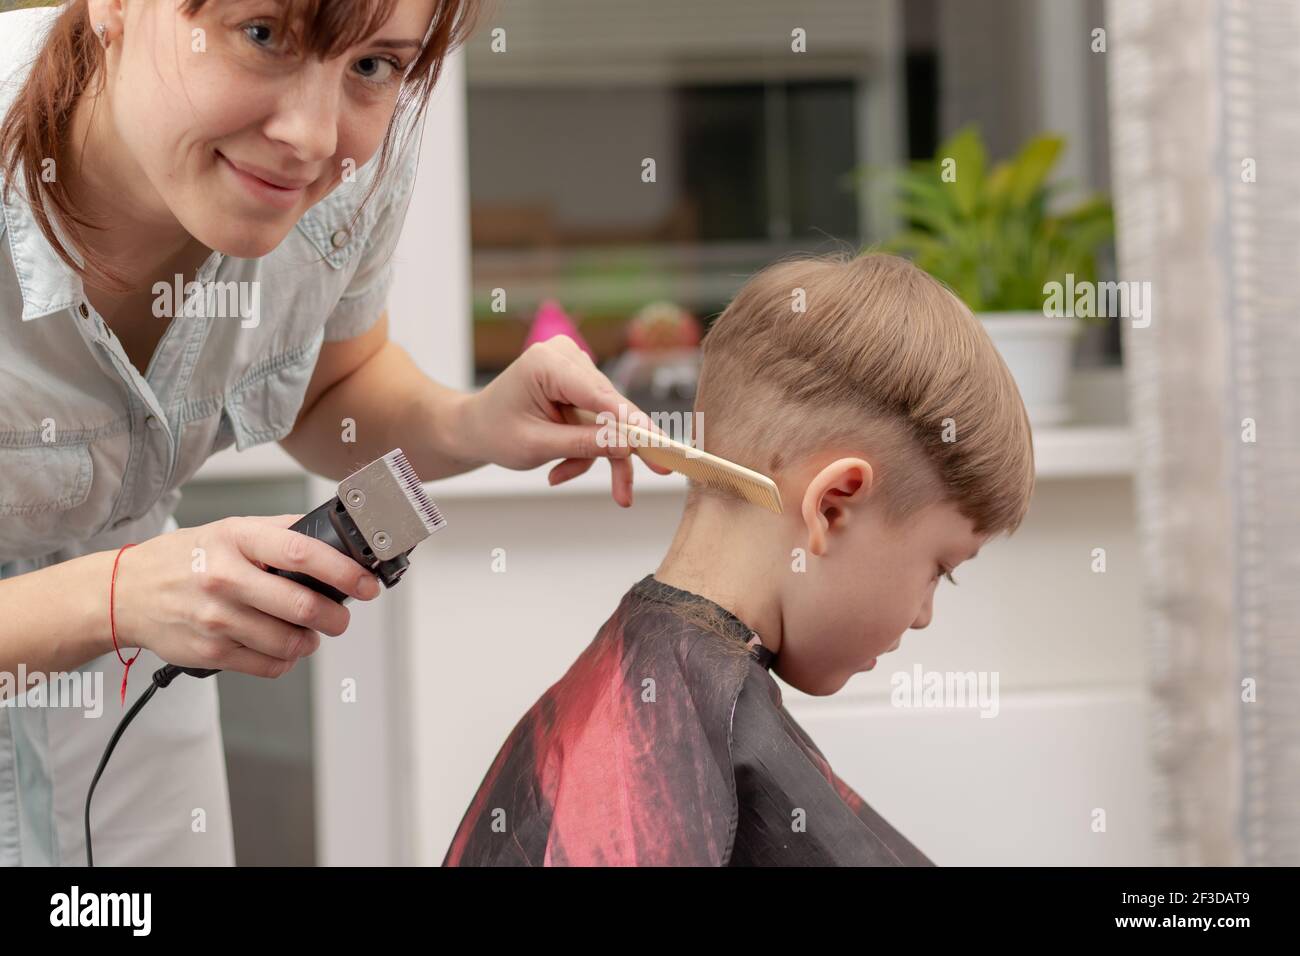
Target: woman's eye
(376, 69)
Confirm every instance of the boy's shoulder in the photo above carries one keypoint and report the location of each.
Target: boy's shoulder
(627, 758)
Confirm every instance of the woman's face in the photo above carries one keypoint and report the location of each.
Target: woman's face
(232, 133)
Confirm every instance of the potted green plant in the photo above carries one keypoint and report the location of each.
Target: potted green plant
(991, 235)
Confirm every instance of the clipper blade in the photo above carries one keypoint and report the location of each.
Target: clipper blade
(389, 505)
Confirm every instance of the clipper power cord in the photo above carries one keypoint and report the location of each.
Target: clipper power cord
(377, 518)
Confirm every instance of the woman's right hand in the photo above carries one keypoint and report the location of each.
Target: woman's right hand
(201, 597)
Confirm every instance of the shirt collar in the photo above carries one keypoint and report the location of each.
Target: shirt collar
(47, 283)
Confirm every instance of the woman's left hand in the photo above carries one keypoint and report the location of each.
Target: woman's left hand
(518, 419)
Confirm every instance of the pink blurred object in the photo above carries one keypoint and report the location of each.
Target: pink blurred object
(551, 320)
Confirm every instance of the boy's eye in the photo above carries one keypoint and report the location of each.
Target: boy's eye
(944, 572)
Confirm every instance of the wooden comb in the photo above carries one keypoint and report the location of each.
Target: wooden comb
(658, 449)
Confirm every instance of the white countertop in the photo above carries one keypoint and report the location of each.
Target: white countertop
(1071, 451)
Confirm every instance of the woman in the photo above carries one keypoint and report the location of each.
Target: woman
(264, 150)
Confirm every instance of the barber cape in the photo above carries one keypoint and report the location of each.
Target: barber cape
(661, 746)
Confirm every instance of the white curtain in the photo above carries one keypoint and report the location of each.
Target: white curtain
(1205, 141)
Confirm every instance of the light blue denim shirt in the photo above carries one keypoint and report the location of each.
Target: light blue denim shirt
(93, 454)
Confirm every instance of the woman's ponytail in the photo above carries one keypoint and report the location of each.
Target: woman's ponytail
(35, 131)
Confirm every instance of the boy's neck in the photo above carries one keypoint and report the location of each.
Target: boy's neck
(731, 555)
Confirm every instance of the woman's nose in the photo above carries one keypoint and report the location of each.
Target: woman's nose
(308, 116)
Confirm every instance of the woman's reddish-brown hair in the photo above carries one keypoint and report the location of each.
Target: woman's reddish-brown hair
(36, 126)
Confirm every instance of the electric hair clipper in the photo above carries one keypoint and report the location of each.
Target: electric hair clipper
(377, 518)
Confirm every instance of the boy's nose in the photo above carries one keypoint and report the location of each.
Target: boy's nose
(923, 618)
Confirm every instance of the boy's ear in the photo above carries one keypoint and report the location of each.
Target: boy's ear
(831, 496)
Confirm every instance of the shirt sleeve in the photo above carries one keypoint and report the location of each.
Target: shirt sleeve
(366, 295)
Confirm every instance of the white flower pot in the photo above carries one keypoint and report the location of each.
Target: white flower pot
(1038, 349)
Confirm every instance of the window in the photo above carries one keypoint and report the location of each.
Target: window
(757, 147)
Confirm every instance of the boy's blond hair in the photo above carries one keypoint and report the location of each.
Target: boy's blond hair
(881, 358)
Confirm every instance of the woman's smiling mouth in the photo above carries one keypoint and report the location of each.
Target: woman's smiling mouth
(279, 191)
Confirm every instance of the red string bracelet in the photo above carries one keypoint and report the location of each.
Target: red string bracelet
(112, 623)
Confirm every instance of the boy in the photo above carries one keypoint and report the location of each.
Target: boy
(880, 407)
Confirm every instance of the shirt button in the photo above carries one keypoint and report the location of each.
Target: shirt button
(85, 313)
(340, 238)
(151, 421)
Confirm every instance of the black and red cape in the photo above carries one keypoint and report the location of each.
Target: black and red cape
(659, 747)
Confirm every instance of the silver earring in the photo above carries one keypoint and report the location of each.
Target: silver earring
(99, 32)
